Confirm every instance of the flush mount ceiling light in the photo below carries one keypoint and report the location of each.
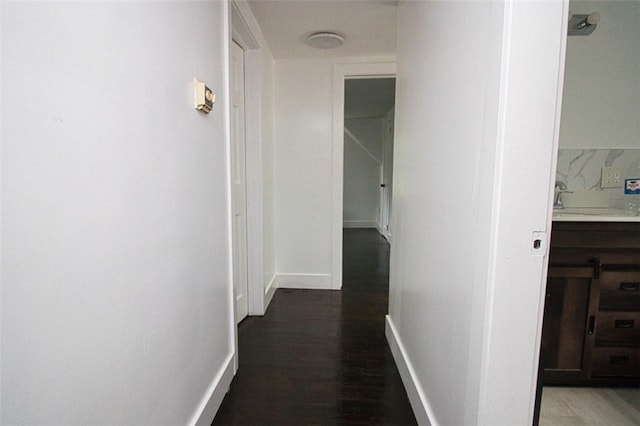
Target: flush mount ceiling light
(325, 40)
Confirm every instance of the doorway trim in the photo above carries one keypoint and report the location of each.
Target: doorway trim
(388, 126)
(243, 34)
(342, 72)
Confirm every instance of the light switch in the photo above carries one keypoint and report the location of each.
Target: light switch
(205, 98)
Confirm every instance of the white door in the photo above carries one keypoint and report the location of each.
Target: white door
(387, 176)
(238, 181)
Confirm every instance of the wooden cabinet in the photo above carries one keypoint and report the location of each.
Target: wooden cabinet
(566, 312)
(591, 330)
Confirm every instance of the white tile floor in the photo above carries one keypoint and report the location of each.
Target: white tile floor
(562, 406)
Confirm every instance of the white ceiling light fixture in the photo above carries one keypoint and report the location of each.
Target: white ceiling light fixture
(325, 40)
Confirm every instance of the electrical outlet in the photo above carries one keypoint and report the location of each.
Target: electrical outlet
(612, 177)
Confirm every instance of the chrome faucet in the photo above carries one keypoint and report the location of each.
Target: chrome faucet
(560, 188)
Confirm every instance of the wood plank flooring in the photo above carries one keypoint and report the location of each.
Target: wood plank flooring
(320, 357)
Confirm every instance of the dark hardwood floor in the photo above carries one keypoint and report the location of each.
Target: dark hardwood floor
(320, 357)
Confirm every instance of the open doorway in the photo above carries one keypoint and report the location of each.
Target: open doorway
(589, 369)
(368, 153)
(341, 74)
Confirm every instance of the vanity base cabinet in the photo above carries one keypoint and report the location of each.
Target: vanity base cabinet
(591, 329)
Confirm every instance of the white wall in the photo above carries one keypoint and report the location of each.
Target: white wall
(602, 91)
(303, 132)
(116, 294)
(369, 132)
(362, 172)
(475, 124)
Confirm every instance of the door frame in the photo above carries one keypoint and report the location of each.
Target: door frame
(385, 201)
(238, 170)
(244, 36)
(342, 72)
(538, 380)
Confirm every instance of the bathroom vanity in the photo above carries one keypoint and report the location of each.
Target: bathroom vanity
(591, 330)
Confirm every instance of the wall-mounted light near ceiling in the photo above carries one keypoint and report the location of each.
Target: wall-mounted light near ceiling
(325, 40)
(583, 24)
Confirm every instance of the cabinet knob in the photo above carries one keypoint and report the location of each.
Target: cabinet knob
(630, 286)
(619, 360)
(624, 323)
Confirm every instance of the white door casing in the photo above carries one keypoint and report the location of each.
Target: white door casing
(238, 182)
(247, 33)
(387, 176)
(340, 73)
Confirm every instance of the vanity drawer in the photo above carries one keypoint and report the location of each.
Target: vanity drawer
(620, 362)
(620, 291)
(627, 281)
(618, 329)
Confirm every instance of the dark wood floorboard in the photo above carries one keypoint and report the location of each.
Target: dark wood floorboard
(320, 357)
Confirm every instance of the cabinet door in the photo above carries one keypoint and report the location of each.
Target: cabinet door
(566, 342)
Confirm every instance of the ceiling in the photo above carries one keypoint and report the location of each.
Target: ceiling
(369, 97)
(369, 26)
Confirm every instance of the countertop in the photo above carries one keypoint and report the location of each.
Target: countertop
(593, 214)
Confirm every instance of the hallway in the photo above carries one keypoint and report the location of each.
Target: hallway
(320, 357)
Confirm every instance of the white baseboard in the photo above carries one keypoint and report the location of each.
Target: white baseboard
(269, 291)
(421, 407)
(215, 394)
(359, 224)
(304, 281)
